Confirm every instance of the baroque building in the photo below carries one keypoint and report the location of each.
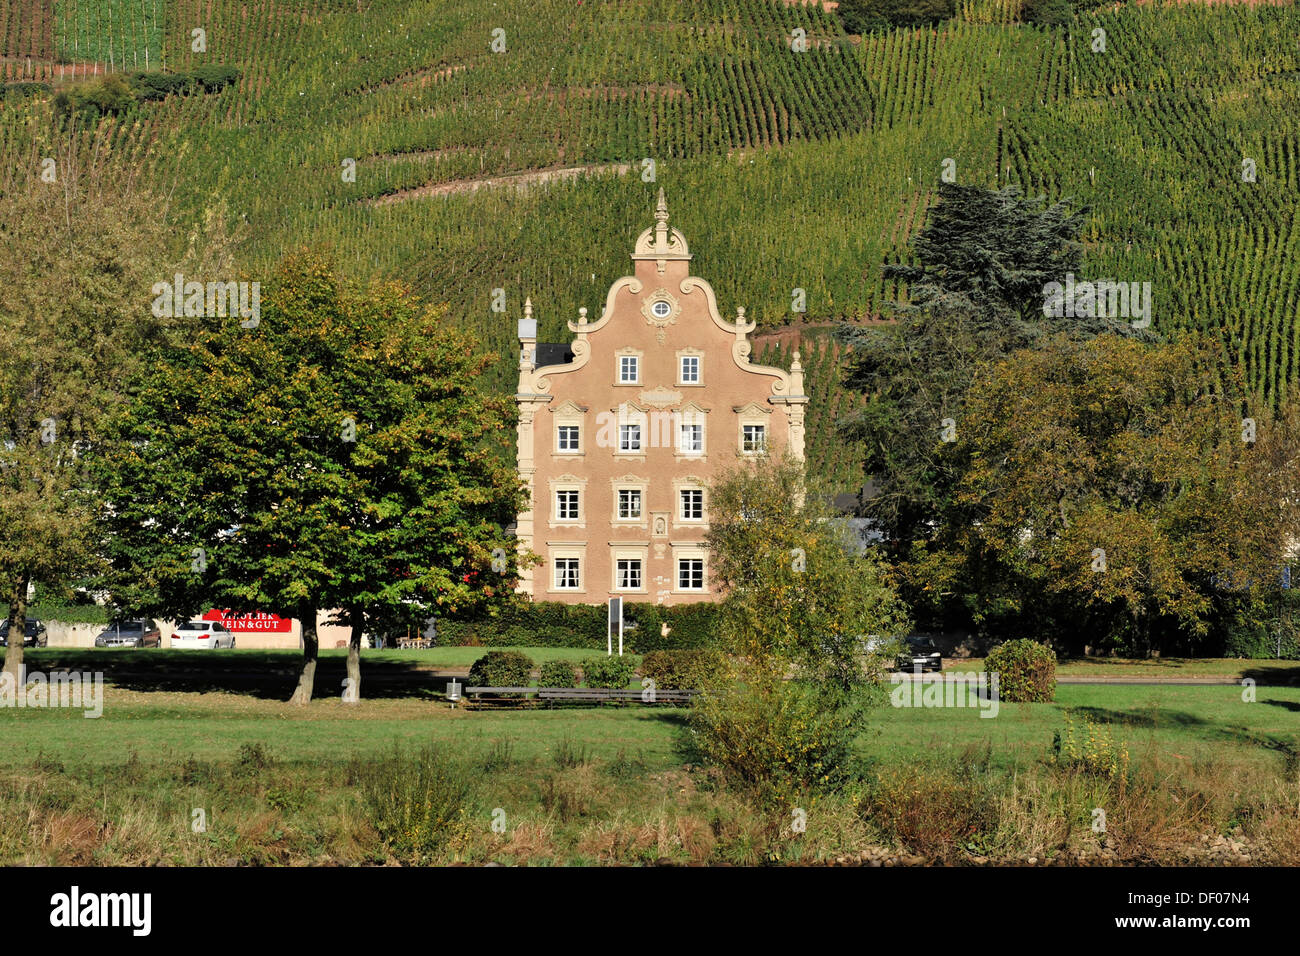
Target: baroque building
(622, 430)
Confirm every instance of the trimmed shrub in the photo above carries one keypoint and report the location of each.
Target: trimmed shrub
(683, 669)
(615, 672)
(501, 669)
(70, 613)
(1026, 671)
(558, 674)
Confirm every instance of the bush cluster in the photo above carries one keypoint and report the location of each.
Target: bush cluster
(1092, 749)
(18, 91)
(780, 741)
(1026, 671)
(112, 94)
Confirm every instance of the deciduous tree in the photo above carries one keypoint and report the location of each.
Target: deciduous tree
(1113, 486)
(82, 236)
(338, 455)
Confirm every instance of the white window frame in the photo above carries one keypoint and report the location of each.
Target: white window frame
(577, 573)
(633, 551)
(698, 356)
(682, 430)
(639, 492)
(577, 505)
(569, 414)
(567, 550)
(623, 574)
(681, 504)
(678, 559)
(567, 482)
(559, 438)
(622, 435)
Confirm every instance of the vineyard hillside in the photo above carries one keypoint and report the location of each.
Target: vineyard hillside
(471, 145)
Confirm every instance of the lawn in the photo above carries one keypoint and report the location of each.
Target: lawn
(1172, 668)
(289, 785)
(1180, 723)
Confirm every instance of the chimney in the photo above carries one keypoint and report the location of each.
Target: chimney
(527, 338)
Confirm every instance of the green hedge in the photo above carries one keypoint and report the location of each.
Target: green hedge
(551, 624)
(68, 613)
(616, 672)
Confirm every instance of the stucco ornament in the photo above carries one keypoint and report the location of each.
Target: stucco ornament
(661, 309)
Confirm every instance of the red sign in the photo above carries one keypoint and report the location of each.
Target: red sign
(259, 622)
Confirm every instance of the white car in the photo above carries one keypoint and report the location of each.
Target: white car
(204, 635)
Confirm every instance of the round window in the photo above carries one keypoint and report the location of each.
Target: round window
(660, 310)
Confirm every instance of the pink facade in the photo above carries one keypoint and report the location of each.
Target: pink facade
(619, 444)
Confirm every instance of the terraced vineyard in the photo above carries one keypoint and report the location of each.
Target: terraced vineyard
(118, 34)
(786, 169)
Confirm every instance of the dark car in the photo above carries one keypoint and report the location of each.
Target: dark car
(33, 633)
(922, 653)
(130, 634)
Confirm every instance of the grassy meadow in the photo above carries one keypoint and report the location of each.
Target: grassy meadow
(283, 785)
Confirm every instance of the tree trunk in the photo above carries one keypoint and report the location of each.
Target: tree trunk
(357, 618)
(310, 645)
(17, 627)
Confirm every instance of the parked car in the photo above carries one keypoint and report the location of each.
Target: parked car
(204, 635)
(143, 633)
(33, 633)
(920, 652)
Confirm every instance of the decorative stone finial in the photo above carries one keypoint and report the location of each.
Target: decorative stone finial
(582, 315)
(659, 242)
(528, 308)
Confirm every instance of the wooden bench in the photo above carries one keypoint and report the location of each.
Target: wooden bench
(578, 694)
